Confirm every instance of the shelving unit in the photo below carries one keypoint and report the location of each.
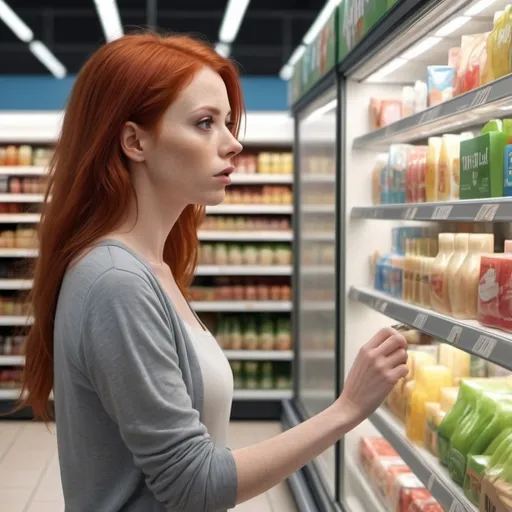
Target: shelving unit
(259, 355)
(15, 321)
(19, 218)
(21, 198)
(20, 170)
(12, 360)
(261, 179)
(246, 236)
(264, 306)
(19, 253)
(261, 394)
(244, 270)
(15, 284)
(250, 209)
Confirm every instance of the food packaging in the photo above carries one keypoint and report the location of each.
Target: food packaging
(440, 82)
(408, 101)
(390, 112)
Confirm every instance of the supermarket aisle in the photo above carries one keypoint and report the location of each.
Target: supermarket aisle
(29, 468)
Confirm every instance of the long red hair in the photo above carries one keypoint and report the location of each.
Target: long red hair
(134, 78)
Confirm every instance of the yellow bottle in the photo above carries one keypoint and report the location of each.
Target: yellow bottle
(433, 153)
(447, 155)
(429, 382)
(459, 255)
(456, 360)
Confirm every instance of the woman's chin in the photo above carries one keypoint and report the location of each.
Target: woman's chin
(213, 199)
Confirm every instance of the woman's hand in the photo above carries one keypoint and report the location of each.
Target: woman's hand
(380, 364)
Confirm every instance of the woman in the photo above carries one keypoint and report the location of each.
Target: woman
(142, 391)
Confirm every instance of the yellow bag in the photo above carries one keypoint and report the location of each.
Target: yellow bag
(501, 43)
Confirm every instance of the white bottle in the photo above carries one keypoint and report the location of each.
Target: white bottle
(439, 298)
(459, 255)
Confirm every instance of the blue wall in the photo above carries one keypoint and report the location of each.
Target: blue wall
(48, 93)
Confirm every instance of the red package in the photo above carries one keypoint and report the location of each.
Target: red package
(489, 291)
(420, 500)
(505, 298)
(405, 486)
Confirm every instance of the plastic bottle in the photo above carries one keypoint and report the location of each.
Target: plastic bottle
(467, 277)
(507, 169)
(448, 153)
(433, 153)
(439, 298)
(461, 247)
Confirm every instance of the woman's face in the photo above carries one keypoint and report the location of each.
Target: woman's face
(194, 145)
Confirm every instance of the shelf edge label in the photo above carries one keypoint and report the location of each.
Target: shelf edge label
(484, 346)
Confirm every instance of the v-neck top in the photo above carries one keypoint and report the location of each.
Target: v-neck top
(133, 391)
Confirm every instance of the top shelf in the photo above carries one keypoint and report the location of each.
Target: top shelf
(470, 109)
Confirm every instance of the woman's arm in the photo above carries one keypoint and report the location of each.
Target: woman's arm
(379, 365)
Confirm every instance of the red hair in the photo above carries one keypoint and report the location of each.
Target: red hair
(134, 78)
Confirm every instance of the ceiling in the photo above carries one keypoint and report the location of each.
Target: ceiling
(270, 30)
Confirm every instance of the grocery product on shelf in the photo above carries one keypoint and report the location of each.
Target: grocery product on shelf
(240, 289)
(393, 481)
(245, 254)
(271, 163)
(21, 238)
(499, 45)
(256, 194)
(10, 379)
(22, 185)
(237, 332)
(439, 298)
(11, 345)
(261, 375)
(461, 247)
(249, 223)
(25, 155)
(440, 83)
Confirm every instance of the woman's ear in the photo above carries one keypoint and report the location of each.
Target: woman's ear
(131, 142)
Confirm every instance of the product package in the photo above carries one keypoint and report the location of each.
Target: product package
(473, 57)
(499, 44)
(408, 101)
(440, 82)
(379, 176)
(397, 168)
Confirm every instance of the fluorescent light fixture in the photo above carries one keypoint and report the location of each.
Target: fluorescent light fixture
(233, 16)
(47, 58)
(479, 7)
(15, 23)
(320, 111)
(387, 69)
(286, 72)
(420, 48)
(109, 19)
(320, 21)
(223, 49)
(452, 26)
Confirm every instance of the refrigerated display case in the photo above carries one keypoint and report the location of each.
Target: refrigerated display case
(385, 246)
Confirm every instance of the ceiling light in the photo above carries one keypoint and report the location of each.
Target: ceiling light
(109, 19)
(452, 26)
(233, 16)
(15, 23)
(387, 69)
(479, 7)
(223, 49)
(421, 47)
(320, 21)
(47, 58)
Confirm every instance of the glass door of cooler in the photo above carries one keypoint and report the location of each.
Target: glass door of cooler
(316, 266)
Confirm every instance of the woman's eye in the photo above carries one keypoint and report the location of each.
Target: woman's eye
(205, 124)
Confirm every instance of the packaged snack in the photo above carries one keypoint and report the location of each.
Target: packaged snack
(432, 165)
(390, 112)
(440, 82)
(408, 101)
(488, 291)
(473, 56)
(500, 44)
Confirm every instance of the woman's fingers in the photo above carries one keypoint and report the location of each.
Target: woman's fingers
(397, 358)
(393, 343)
(381, 337)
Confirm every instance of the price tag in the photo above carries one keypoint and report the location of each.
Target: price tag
(410, 213)
(431, 482)
(481, 96)
(454, 336)
(441, 212)
(420, 320)
(484, 346)
(380, 305)
(430, 114)
(487, 212)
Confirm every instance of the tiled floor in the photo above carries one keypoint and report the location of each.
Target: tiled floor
(30, 479)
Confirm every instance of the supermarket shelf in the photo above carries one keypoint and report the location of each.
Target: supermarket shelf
(21, 170)
(244, 270)
(491, 344)
(21, 198)
(10, 394)
(318, 208)
(246, 236)
(262, 394)
(317, 394)
(362, 489)
(15, 284)
(261, 179)
(471, 210)
(318, 355)
(12, 360)
(318, 270)
(250, 209)
(259, 355)
(318, 178)
(15, 218)
(15, 320)
(426, 467)
(19, 253)
(470, 109)
(236, 306)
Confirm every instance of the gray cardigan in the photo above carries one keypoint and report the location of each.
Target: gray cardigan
(129, 395)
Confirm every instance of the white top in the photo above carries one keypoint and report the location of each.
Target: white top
(217, 384)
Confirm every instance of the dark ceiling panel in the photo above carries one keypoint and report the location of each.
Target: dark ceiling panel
(269, 33)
